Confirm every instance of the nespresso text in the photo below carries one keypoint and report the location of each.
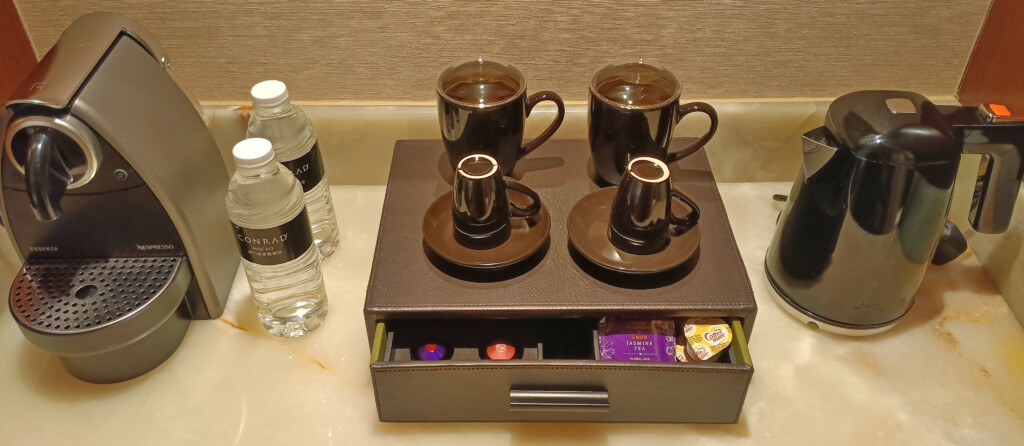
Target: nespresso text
(153, 247)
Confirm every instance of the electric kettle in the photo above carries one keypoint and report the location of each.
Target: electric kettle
(869, 209)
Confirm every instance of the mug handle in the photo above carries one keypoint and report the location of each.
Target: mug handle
(533, 100)
(684, 110)
(517, 211)
(683, 224)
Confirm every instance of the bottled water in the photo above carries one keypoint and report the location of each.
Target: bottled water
(268, 213)
(296, 147)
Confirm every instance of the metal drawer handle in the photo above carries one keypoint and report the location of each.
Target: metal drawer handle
(558, 400)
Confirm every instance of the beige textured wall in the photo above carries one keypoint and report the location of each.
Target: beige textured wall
(380, 50)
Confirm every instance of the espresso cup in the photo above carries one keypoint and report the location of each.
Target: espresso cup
(482, 107)
(642, 221)
(634, 109)
(481, 210)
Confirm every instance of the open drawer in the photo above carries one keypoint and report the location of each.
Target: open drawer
(556, 376)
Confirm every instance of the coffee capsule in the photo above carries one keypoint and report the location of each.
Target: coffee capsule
(501, 351)
(431, 352)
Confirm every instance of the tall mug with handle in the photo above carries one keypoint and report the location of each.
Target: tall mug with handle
(634, 110)
(482, 107)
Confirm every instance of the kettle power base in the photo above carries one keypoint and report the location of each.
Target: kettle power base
(109, 320)
(813, 320)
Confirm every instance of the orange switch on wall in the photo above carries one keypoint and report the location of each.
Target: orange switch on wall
(999, 109)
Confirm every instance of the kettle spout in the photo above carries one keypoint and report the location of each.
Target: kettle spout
(818, 150)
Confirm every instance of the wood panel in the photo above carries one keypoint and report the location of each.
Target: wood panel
(16, 55)
(995, 72)
(382, 50)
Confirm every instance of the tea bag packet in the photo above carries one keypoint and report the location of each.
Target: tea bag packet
(706, 338)
(637, 339)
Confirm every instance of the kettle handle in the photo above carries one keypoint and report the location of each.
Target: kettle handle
(999, 179)
(1001, 144)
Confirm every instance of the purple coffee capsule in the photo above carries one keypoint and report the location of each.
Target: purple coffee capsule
(430, 352)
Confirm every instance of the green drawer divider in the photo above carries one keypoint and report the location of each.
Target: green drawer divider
(742, 354)
(379, 343)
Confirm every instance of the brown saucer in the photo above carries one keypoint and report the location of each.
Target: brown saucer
(588, 233)
(529, 235)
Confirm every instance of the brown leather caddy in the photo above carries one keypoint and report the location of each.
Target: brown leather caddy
(549, 307)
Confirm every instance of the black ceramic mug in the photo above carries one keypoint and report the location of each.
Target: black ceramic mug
(642, 220)
(634, 109)
(482, 107)
(481, 210)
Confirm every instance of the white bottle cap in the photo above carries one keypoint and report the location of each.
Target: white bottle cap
(253, 152)
(269, 94)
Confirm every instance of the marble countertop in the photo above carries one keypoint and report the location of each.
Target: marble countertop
(952, 372)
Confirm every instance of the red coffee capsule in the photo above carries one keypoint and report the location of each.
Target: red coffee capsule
(501, 351)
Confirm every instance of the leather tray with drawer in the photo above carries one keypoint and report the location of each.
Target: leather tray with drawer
(554, 296)
(558, 377)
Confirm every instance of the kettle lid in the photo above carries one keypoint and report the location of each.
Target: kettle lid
(896, 127)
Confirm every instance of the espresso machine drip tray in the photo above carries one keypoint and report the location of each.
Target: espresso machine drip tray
(108, 320)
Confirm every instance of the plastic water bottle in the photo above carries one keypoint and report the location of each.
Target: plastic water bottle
(268, 213)
(296, 147)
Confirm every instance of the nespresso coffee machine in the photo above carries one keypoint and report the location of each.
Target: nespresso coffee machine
(868, 211)
(112, 191)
